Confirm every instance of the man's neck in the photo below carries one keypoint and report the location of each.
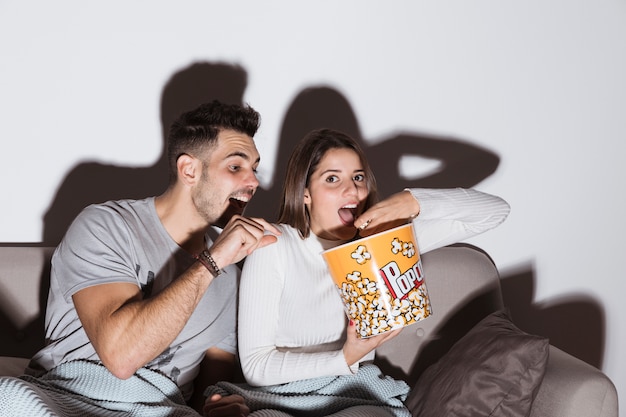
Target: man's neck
(181, 221)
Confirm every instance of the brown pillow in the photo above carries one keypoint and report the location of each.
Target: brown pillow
(494, 370)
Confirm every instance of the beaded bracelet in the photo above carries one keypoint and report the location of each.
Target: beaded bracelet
(209, 263)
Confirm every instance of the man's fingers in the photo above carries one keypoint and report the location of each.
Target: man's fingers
(257, 223)
(263, 241)
(267, 226)
(240, 237)
(259, 237)
(267, 240)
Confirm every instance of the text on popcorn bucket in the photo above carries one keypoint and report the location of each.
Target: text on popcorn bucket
(400, 284)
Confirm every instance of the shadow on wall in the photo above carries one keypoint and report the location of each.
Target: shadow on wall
(92, 182)
(462, 164)
(574, 323)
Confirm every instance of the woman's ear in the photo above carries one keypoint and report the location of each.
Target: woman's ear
(189, 169)
(307, 196)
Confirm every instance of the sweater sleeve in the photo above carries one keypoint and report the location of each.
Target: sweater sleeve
(262, 361)
(449, 216)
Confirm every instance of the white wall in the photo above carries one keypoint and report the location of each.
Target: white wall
(540, 83)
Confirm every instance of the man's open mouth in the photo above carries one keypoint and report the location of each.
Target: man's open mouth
(236, 206)
(238, 203)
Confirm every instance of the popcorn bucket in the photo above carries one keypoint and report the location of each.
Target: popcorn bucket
(381, 280)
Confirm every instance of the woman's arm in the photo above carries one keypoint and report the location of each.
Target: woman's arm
(440, 216)
(261, 290)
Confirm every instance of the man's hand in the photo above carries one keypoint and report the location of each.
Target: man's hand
(240, 237)
(355, 348)
(391, 212)
(231, 405)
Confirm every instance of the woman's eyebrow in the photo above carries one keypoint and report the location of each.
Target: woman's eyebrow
(334, 170)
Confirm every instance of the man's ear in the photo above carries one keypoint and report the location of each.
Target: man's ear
(189, 169)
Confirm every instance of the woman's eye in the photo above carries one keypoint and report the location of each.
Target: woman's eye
(332, 178)
(359, 178)
(234, 167)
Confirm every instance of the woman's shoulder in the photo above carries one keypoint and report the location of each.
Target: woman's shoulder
(289, 231)
(288, 237)
(274, 254)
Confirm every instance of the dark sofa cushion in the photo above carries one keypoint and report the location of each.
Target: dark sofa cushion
(494, 370)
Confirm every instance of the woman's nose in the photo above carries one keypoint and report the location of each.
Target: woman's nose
(351, 188)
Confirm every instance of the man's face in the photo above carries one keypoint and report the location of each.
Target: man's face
(228, 179)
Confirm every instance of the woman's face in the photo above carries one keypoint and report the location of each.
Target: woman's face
(336, 194)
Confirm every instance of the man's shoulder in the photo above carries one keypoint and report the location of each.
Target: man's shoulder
(119, 208)
(112, 218)
(126, 204)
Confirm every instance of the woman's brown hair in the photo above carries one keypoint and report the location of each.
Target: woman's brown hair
(303, 162)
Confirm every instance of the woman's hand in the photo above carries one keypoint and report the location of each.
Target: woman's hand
(393, 211)
(231, 405)
(355, 348)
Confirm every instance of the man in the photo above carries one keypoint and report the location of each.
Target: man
(143, 284)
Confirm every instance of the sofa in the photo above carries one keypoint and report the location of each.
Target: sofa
(467, 358)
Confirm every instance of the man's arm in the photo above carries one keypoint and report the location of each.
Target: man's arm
(127, 331)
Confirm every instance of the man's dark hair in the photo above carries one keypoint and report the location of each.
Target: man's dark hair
(196, 131)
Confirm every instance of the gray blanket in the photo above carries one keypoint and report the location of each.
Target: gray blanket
(366, 393)
(86, 388)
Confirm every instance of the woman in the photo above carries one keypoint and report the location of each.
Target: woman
(292, 324)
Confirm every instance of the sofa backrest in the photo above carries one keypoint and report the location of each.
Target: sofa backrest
(24, 282)
(462, 281)
(463, 286)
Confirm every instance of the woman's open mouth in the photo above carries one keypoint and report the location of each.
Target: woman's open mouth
(347, 214)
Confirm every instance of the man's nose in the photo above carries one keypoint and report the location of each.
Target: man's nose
(252, 181)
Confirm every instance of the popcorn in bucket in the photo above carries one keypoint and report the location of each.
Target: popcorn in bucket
(381, 280)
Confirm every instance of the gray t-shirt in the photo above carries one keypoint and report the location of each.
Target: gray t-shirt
(124, 241)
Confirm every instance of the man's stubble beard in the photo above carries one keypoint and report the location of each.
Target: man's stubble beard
(206, 206)
(204, 202)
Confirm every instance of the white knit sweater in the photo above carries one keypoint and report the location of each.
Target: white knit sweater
(291, 319)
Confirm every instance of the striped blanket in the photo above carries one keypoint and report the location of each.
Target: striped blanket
(366, 393)
(86, 389)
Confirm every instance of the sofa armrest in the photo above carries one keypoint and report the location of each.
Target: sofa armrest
(12, 366)
(574, 388)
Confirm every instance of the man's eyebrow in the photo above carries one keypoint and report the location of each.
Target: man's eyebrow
(243, 155)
